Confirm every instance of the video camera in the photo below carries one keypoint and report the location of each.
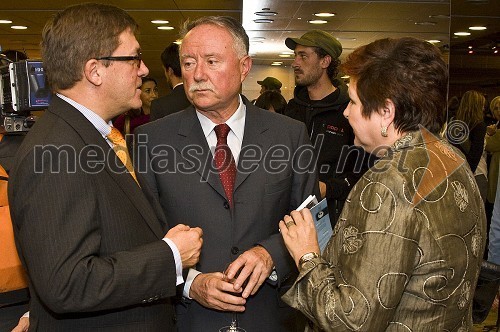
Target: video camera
(24, 88)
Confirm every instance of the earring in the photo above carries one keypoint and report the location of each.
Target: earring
(383, 131)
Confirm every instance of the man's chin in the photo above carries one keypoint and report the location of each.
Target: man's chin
(299, 82)
(202, 103)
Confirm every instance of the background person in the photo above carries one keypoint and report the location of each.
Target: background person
(94, 247)
(271, 100)
(14, 292)
(471, 113)
(127, 122)
(270, 84)
(319, 100)
(493, 148)
(239, 203)
(398, 257)
(176, 100)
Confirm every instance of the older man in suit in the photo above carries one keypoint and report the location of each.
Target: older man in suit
(95, 249)
(189, 160)
(176, 100)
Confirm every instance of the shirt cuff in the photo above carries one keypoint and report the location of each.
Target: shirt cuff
(189, 280)
(26, 314)
(178, 261)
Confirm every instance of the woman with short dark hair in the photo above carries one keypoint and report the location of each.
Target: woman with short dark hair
(406, 251)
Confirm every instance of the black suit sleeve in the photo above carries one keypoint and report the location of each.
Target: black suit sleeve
(77, 240)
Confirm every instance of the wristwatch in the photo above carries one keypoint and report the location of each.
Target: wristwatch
(306, 258)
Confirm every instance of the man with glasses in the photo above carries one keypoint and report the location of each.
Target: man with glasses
(94, 247)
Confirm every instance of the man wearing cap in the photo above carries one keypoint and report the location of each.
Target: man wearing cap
(319, 101)
(270, 83)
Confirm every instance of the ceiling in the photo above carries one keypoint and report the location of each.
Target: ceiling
(356, 22)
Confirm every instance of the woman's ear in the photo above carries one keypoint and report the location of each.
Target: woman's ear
(92, 72)
(388, 112)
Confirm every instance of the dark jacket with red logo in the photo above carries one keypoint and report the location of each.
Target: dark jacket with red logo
(340, 163)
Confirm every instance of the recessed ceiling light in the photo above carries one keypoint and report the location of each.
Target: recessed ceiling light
(434, 41)
(288, 52)
(284, 55)
(324, 14)
(263, 20)
(470, 47)
(440, 16)
(346, 38)
(5, 21)
(317, 21)
(266, 13)
(477, 28)
(276, 64)
(160, 22)
(19, 27)
(165, 28)
(426, 23)
(461, 33)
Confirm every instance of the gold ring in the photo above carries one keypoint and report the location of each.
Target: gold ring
(289, 222)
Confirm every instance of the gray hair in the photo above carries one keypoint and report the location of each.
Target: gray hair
(241, 43)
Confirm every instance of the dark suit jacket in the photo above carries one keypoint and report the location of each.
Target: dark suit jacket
(89, 238)
(174, 102)
(177, 164)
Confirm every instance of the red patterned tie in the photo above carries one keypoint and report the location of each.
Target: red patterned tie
(224, 161)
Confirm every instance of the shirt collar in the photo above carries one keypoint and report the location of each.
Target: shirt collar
(236, 122)
(98, 122)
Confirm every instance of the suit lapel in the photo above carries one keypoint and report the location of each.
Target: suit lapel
(91, 136)
(255, 138)
(190, 135)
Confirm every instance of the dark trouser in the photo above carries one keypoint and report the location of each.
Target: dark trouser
(9, 316)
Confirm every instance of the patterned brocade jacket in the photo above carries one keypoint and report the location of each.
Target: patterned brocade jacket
(406, 252)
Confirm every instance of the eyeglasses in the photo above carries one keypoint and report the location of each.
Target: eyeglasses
(137, 58)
